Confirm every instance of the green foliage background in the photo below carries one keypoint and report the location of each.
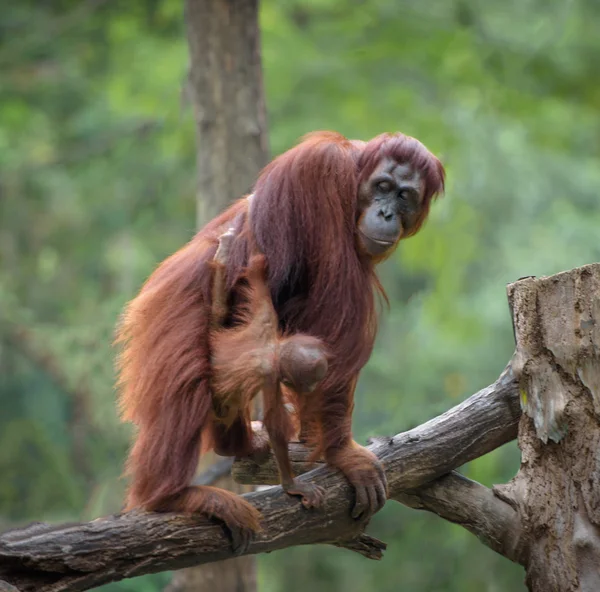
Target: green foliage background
(97, 177)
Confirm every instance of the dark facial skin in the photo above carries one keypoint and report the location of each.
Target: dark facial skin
(390, 201)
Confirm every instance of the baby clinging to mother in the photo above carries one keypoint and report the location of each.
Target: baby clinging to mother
(322, 215)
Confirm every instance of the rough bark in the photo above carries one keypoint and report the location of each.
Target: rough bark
(225, 89)
(557, 489)
(79, 557)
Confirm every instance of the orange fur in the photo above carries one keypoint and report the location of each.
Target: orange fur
(242, 357)
(253, 357)
(303, 219)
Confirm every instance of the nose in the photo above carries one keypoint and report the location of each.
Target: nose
(385, 214)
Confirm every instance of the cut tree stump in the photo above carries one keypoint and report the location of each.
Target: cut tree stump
(557, 489)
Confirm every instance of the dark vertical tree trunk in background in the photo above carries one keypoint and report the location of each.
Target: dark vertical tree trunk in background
(557, 490)
(226, 91)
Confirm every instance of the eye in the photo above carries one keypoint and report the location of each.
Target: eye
(384, 186)
(406, 194)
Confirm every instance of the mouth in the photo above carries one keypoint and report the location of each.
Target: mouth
(376, 246)
(380, 242)
(377, 241)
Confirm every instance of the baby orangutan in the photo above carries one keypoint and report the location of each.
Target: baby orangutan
(252, 357)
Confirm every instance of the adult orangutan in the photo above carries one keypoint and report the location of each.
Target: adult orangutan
(323, 214)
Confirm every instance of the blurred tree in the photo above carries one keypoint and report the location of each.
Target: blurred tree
(225, 88)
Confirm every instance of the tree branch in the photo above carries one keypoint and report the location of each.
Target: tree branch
(474, 507)
(81, 556)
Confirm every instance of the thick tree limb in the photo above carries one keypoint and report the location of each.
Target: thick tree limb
(82, 556)
(365, 545)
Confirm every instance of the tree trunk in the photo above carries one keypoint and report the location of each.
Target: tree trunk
(226, 91)
(557, 490)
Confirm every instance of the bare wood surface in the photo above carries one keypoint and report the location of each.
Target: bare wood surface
(82, 556)
(557, 490)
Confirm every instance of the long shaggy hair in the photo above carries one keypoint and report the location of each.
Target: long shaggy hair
(303, 218)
